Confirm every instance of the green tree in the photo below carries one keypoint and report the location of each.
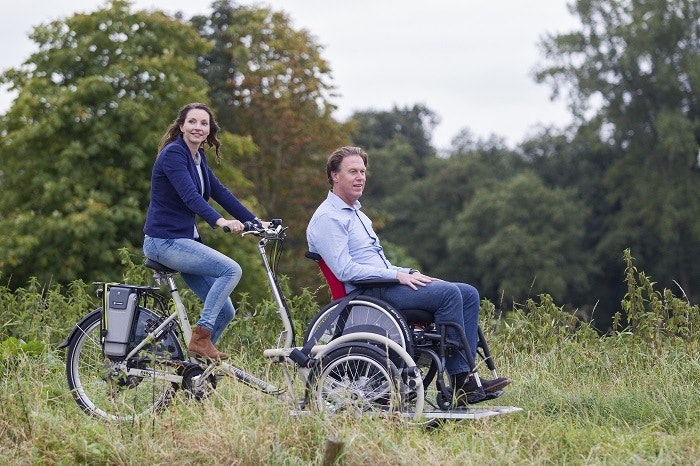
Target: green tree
(635, 65)
(421, 211)
(579, 161)
(413, 125)
(79, 141)
(272, 84)
(519, 239)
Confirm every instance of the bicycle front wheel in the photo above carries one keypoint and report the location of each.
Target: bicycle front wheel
(120, 389)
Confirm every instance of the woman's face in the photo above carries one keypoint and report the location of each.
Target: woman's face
(195, 129)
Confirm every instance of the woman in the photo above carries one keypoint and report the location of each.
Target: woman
(181, 185)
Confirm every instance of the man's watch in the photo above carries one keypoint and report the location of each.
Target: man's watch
(412, 271)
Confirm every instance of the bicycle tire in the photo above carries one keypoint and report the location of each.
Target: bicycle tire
(101, 389)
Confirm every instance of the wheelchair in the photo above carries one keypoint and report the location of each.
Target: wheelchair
(413, 329)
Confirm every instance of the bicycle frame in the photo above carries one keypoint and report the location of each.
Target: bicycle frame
(180, 314)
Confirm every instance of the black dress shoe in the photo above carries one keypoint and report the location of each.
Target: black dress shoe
(467, 392)
(468, 384)
(494, 385)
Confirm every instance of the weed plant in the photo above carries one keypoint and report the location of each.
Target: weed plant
(628, 397)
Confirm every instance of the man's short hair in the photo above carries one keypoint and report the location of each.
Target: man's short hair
(336, 158)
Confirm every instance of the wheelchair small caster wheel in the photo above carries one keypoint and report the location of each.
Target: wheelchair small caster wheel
(444, 402)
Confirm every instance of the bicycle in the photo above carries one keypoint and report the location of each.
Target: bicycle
(126, 359)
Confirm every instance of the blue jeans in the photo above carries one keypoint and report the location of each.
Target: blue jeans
(448, 302)
(210, 274)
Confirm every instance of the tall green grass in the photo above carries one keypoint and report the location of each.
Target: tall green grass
(628, 397)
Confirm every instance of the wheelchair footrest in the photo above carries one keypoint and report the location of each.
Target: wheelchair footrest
(493, 395)
(477, 396)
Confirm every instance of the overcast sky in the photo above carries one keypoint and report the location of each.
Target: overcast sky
(468, 61)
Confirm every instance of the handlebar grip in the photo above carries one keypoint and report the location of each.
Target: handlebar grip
(253, 226)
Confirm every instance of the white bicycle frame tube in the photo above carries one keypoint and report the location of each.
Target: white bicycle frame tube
(281, 309)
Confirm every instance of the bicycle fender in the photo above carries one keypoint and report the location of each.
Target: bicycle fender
(78, 328)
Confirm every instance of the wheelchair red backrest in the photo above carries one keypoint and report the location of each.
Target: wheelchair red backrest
(336, 286)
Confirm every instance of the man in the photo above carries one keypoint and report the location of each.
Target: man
(342, 234)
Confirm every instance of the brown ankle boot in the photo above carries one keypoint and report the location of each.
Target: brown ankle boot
(222, 355)
(201, 345)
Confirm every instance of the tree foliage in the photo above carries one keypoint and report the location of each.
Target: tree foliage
(79, 141)
(634, 65)
(550, 216)
(520, 239)
(413, 125)
(270, 82)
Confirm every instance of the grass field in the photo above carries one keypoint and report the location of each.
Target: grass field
(631, 397)
(604, 401)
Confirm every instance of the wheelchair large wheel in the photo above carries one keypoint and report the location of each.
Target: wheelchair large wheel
(357, 379)
(101, 386)
(365, 314)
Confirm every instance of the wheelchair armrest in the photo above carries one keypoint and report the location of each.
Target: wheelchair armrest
(374, 282)
(314, 256)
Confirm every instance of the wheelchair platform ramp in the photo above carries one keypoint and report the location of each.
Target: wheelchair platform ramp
(472, 412)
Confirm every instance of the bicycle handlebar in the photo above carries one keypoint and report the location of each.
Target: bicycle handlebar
(255, 228)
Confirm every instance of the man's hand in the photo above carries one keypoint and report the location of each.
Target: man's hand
(414, 280)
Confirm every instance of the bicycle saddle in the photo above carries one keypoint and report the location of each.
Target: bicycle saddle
(157, 266)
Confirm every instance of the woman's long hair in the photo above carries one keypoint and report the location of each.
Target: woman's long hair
(173, 131)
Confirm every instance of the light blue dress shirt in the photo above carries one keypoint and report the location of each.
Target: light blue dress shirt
(344, 237)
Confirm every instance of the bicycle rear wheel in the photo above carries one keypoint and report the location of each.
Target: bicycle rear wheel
(120, 389)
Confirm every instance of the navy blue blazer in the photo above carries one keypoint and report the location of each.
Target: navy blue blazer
(176, 194)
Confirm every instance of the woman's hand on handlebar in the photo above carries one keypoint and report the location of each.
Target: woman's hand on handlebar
(230, 226)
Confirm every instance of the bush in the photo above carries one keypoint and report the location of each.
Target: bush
(655, 316)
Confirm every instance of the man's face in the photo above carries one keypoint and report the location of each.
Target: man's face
(349, 180)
